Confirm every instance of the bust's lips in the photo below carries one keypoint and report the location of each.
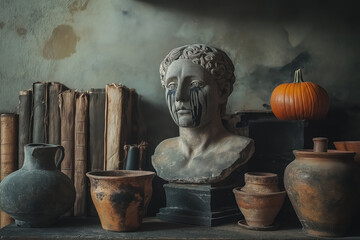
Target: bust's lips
(183, 111)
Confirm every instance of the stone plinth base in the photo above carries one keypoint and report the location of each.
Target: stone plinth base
(204, 205)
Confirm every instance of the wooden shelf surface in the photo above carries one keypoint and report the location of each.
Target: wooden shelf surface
(152, 228)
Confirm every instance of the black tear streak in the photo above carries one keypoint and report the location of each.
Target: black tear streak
(196, 106)
(170, 97)
(205, 99)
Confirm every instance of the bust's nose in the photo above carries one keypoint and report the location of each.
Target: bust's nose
(182, 92)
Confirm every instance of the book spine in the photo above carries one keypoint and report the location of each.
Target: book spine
(25, 100)
(9, 128)
(39, 113)
(115, 133)
(54, 112)
(80, 181)
(67, 118)
(96, 129)
(96, 137)
(131, 118)
(138, 130)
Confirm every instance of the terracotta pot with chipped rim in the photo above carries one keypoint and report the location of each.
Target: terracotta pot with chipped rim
(322, 186)
(260, 200)
(353, 146)
(121, 197)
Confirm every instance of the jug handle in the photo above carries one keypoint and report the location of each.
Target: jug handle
(61, 158)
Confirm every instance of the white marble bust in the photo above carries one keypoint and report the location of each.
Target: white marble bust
(198, 80)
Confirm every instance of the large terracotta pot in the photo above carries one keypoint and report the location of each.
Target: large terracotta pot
(37, 194)
(259, 200)
(322, 187)
(121, 197)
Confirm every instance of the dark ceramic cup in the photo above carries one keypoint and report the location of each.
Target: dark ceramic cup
(37, 194)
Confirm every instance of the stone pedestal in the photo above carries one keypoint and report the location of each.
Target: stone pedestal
(203, 204)
(199, 204)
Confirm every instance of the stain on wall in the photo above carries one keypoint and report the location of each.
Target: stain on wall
(61, 44)
(78, 5)
(125, 41)
(21, 31)
(263, 78)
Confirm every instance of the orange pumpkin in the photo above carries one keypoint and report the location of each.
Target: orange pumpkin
(299, 100)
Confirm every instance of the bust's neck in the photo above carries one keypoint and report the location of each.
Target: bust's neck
(194, 141)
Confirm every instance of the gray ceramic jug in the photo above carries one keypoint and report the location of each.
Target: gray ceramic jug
(37, 194)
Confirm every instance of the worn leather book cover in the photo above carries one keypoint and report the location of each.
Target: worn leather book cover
(8, 149)
(96, 137)
(116, 126)
(81, 137)
(25, 101)
(132, 137)
(137, 126)
(40, 113)
(54, 127)
(67, 118)
(96, 128)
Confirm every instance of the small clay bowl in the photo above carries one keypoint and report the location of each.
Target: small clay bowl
(260, 182)
(259, 209)
(121, 197)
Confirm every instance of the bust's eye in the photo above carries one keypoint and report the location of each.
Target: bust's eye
(196, 84)
(172, 86)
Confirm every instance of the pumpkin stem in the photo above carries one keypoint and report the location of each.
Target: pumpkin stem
(298, 76)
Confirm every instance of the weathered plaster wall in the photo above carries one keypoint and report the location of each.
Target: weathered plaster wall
(88, 43)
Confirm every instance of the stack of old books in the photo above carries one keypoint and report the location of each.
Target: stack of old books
(94, 127)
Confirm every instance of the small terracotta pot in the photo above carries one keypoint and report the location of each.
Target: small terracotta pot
(259, 209)
(260, 199)
(261, 182)
(352, 146)
(121, 197)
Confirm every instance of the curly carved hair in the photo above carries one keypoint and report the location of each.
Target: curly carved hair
(212, 59)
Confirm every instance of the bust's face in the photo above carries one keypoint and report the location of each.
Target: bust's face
(191, 93)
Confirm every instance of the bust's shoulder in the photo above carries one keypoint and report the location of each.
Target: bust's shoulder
(166, 144)
(164, 152)
(238, 138)
(215, 163)
(235, 142)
